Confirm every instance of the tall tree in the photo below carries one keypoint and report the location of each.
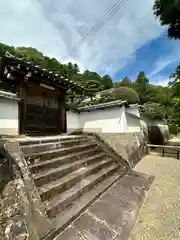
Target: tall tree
(126, 82)
(107, 82)
(76, 68)
(93, 86)
(141, 85)
(168, 12)
(142, 79)
(175, 91)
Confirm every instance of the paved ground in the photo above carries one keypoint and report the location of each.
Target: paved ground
(174, 141)
(160, 216)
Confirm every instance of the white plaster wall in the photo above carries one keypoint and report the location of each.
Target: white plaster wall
(134, 124)
(9, 119)
(73, 121)
(107, 120)
(133, 108)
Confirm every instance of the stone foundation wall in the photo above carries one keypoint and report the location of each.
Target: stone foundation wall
(158, 135)
(131, 147)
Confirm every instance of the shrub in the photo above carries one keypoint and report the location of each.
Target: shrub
(125, 93)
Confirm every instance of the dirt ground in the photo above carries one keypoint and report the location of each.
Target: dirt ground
(159, 217)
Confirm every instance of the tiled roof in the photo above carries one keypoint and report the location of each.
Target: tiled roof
(17, 64)
(103, 105)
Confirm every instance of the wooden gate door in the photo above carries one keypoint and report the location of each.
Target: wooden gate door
(42, 111)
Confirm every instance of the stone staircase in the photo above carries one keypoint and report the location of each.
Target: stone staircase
(70, 173)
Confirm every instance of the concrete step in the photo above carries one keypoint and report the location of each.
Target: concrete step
(46, 155)
(64, 200)
(62, 220)
(56, 173)
(68, 158)
(36, 148)
(54, 188)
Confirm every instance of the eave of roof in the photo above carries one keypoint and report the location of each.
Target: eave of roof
(103, 105)
(17, 64)
(132, 115)
(9, 96)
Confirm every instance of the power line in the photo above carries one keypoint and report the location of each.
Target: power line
(114, 9)
(100, 21)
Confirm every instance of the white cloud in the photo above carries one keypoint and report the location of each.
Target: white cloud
(54, 27)
(173, 56)
(161, 80)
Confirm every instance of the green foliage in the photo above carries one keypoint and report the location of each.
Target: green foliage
(125, 93)
(93, 86)
(168, 12)
(89, 103)
(125, 82)
(107, 82)
(141, 85)
(142, 79)
(174, 119)
(153, 110)
(107, 97)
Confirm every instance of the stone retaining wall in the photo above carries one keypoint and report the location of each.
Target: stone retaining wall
(130, 147)
(21, 211)
(12, 221)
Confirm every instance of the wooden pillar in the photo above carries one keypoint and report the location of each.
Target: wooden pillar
(62, 114)
(2, 66)
(22, 108)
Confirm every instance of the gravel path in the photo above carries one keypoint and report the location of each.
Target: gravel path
(160, 216)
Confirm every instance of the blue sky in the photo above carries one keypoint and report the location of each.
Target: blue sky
(157, 58)
(131, 41)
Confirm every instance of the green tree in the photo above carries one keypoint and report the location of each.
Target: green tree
(107, 82)
(92, 86)
(142, 79)
(126, 82)
(4, 48)
(76, 69)
(88, 75)
(153, 110)
(141, 85)
(174, 116)
(168, 12)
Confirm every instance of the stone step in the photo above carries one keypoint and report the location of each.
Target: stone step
(40, 140)
(46, 155)
(64, 219)
(69, 158)
(56, 173)
(36, 148)
(54, 188)
(64, 200)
